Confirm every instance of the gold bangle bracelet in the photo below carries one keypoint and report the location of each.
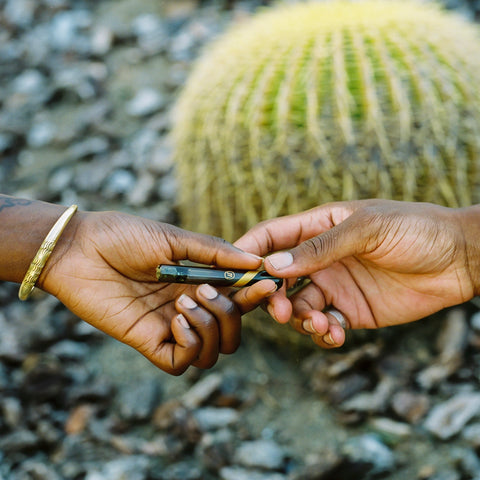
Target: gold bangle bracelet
(44, 252)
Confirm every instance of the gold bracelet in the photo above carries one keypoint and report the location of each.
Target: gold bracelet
(44, 252)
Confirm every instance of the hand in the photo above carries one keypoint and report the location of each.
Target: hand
(103, 270)
(377, 262)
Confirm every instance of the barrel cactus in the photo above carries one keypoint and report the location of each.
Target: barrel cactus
(314, 102)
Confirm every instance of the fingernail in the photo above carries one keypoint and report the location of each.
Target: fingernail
(208, 291)
(270, 311)
(328, 339)
(183, 321)
(280, 260)
(308, 326)
(187, 302)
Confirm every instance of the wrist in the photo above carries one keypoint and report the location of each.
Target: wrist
(48, 279)
(469, 219)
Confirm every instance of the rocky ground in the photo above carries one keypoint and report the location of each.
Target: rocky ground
(86, 91)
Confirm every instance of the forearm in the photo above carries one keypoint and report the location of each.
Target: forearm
(470, 222)
(24, 226)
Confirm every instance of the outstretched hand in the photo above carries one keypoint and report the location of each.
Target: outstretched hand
(377, 262)
(103, 270)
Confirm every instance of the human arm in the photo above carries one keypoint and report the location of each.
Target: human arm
(103, 270)
(378, 262)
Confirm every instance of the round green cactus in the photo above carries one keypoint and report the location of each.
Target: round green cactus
(316, 102)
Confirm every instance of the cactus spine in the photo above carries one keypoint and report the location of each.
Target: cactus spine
(316, 102)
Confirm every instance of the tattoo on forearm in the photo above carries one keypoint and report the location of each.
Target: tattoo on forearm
(7, 202)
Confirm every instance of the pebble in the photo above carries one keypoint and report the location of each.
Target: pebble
(264, 454)
(369, 449)
(146, 102)
(211, 418)
(237, 473)
(447, 419)
(202, 390)
(410, 406)
(137, 402)
(133, 467)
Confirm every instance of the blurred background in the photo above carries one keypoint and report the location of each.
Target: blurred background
(86, 93)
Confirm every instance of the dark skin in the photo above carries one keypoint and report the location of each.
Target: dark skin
(103, 270)
(378, 262)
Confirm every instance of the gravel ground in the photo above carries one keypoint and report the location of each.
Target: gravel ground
(86, 93)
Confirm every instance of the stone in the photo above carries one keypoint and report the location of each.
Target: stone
(146, 102)
(182, 471)
(237, 473)
(216, 449)
(211, 418)
(134, 467)
(101, 40)
(20, 440)
(12, 411)
(201, 391)
(410, 406)
(451, 343)
(447, 419)
(120, 182)
(264, 454)
(137, 402)
(90, 147)
(471, 434)
(69, 350)
(369, 449)
(40, 135)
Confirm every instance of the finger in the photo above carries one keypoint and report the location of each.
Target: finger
(350, 237)
(275, 234)
(173, 356)
(326, 329)
(279, 306)
(209, 250)
(205, 326)
(227, 315)
(249, 298)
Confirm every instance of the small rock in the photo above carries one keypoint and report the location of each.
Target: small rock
(79, 419)
(410, 406)
(471, 434)
(101, 40)
(216, 449)
(211, 418)
(265, 454)
(137, 402)
(11, 409)
(182, 471)
(33, 469)
(447, 419)
(40, 135)
(29, 82)
(65, 29)
(142, 191)
(19, 441)
(451, 343)
(237, 473)
(202, 390)
(129, 468)
(369, 449)
(70, 350)
(20, 12)
(146, 102)
(390, 430)
(120, 182)
(97, 391)
(89, 147)
(167, 188)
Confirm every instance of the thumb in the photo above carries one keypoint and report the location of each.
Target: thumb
(348, 238)
(209, 250)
